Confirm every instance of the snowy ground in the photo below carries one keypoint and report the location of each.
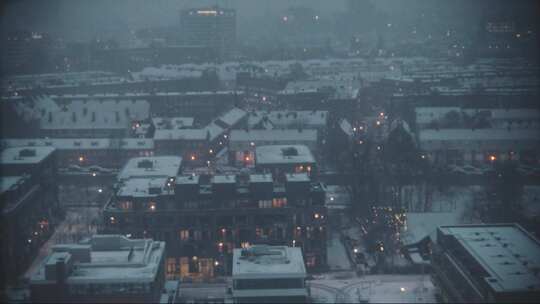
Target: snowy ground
(337, 257)
(456, 199)
(373, 288)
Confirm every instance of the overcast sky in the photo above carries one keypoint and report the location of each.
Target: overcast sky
(88, 14)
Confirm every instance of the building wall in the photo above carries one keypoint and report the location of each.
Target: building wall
(202, 231)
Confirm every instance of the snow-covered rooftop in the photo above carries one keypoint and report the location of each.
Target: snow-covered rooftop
(233, 116)
(297, 177)
(82, 143)
(273, 135)
(25, 155)
(112, 259)
(191, 179)
(156, 166)
(210, 132)
(283, 154)
(478, 135)
(506, 252)
(172, 122)
(145, 187)
(92, 114)
(223, 179)
(260, 178)
(263, 261)
(8, 182)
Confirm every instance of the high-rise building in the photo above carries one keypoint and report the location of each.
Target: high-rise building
(213, 27)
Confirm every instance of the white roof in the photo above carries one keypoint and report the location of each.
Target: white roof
(273, 135)
(140, 187)
(274, 154)
(162, 166)
(110, 261)
(12, 155)
(180, 134)
(212, 129)
(478, 135)
(92, 114)
(268, 262)
(172, 122)
(232, 116)
(7, 182)
(504, 264)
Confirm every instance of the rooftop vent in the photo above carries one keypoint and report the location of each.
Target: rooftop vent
(27, 153)
(290, 151)
(146, 164)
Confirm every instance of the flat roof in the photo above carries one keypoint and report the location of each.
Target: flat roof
(283, 154)
(140, 187)
(155, 166)
(113, 259)
(168, 123)
(223, 179)
(479, 135)
(268, 261)
(508, 253)
(12, 156)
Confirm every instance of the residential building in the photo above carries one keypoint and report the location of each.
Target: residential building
(204, 218)
(213, 27)
(29, 204)
(243, 143)
(281, 159)
(458, 146)
(488, 263)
